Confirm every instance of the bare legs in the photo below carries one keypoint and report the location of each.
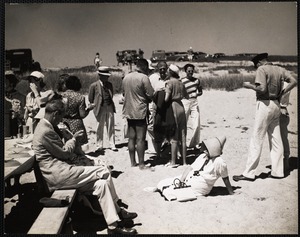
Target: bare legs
(137, 136)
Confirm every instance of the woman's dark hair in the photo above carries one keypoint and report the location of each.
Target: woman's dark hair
(188, 65)
(73, 83)
(12, 79)
(32, 78)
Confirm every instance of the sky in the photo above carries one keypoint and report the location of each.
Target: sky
(69, 34)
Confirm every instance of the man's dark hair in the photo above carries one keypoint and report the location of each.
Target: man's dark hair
(73, 83)
(186, 66)
(142, 64)
(55, 105)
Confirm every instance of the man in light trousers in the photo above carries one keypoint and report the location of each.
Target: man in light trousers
(268, 86)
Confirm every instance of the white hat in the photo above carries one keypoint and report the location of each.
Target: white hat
(149, 64)
(37, 74)
(9, 72)
(215, 146)
(104, 70)
(174, 68)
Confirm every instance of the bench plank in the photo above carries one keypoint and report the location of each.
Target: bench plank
(52, 219)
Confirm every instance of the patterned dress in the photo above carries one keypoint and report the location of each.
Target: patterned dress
(76, 102)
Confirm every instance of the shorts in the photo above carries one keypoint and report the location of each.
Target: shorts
(136, 122)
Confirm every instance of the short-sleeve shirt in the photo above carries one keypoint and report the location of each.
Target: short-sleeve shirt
(156, 82)
(215, 168)
(271, 77)
(138, 92)
(191, 86)
(176, 88)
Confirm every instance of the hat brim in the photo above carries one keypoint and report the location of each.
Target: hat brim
(41, 113)
(104, 73)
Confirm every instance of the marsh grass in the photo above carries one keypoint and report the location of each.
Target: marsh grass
(227, 82)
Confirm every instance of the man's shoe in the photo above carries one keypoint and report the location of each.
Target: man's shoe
(237, 178)
(274, 177)
(122, 231)
(123, 214)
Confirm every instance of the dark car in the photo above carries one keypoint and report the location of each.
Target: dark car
(18, 60)
(158, 55)
(218, 55)
(127, 56)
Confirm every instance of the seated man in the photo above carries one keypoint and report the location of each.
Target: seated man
(203, 173)
(60, 170)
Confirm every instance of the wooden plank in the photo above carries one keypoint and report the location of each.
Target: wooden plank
(52, 219)
(17, 166)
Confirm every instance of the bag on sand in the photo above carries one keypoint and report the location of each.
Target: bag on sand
(180, 194)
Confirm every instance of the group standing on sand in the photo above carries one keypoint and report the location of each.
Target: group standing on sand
(60, 135)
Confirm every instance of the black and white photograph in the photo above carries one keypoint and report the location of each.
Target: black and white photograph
(150, 117)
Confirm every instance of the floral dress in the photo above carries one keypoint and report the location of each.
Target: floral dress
(75, 103)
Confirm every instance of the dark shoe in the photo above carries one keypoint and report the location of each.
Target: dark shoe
(123, 214)
(274, 177)
(237, 178)
(122, 231)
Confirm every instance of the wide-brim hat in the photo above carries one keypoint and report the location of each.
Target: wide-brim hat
(174, 68)
(47, 96)
(104, 70)
(258, 58)
(215, 145)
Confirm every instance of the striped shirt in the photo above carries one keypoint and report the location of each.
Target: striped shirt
(192, 87)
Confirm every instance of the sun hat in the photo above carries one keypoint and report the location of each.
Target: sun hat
(215, 145)
(258, 58)
(37, 74)
(149, 64)
(174, 68)
(104, 70)
(47, 96)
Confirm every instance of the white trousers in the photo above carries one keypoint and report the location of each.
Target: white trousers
(192, 113)
(105, 192)
(106, 120)
(266, 121)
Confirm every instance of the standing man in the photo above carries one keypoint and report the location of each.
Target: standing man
(101, 97)
(158, 81)
(268, 88)
(138, 93)
(191, 107)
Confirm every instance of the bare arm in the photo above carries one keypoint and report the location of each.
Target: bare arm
(185, 173)
(228, 185)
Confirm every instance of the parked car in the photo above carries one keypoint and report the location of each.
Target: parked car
(18, 60)
(122, 56)
(218, 55)
(158, 55)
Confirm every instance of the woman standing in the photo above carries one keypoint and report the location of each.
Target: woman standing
(175, 91)
(76, 108)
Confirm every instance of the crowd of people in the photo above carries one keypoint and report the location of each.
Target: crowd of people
(158, 106)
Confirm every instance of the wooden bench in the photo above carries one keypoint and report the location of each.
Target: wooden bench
(51, 220)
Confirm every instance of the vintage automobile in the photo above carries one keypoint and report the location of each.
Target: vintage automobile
(158, 55)
(18, 60)
(126, 56)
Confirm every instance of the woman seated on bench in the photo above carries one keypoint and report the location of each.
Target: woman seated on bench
(58, 163)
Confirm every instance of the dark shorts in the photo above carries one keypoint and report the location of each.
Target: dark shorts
(136, 122)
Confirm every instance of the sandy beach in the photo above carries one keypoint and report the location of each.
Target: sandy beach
(265, 206)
